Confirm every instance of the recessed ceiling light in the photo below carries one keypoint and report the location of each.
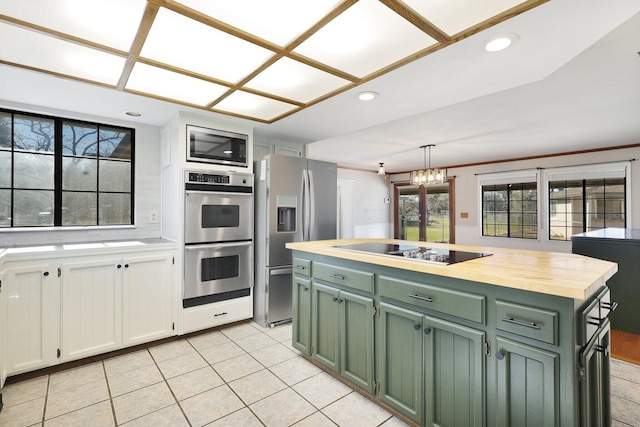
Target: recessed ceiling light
(367, 96)
(501, 42)
(133, 113)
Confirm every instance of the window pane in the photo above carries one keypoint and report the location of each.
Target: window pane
(115, 143)
(115, 209)
(33, 208)
(115, 176)
(79, 139)
(33, 171)
(79, 174)
(5, 130)
(5, 208)
(79, 208)
(5, 169)
(33, 133)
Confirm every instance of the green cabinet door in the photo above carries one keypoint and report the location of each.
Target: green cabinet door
(454, 372)
(356, 320)
(527, 385)
(301, 307)
(325, 326)
(400, 360)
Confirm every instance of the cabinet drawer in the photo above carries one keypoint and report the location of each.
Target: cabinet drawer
(531, 322)
(351, 278)
(301, 266)
(459, 304)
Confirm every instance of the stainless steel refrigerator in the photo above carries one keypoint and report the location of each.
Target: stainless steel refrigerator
(295, 200)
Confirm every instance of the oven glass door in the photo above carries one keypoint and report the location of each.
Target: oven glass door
(218, 217)
(217, 268)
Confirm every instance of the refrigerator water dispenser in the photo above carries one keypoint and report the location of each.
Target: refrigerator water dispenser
(286, 219)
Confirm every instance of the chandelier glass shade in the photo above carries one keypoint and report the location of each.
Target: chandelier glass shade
(428, 175)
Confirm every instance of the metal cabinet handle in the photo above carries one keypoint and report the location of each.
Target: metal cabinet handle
(611, 306)
(500, 355)
(418, 297)
(126, 266)
(427, 331)
(337, 276)
(521, 323)
(45, 274)
(417, 327)
(306, 288)
(602, 349)
(119, 266)
(220, 314)
(300, 267)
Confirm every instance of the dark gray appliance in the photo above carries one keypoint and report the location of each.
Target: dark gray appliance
(295, 201)
(218, 253)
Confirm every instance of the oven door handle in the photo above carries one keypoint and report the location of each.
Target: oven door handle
(208, 193)
(217, 245)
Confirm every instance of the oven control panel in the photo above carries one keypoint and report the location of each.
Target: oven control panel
(225, 181)
(208, 178)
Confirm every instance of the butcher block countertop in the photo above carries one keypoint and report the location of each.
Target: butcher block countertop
(559, 274)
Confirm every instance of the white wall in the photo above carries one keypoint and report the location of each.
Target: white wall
(468, 230)
(372, 216)
(147, 189)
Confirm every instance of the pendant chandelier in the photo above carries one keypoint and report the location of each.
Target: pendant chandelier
(428, 175)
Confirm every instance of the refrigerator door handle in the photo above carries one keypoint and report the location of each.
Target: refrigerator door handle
(280, 271)
(305, 206)
(312, 207)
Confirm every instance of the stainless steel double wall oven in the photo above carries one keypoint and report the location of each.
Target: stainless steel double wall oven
(218, 253)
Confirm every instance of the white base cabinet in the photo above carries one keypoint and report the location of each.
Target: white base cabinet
(67, 308)
(148, 312)
(32, 293)
(91, 307)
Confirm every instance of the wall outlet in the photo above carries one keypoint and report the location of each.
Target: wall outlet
(153, 217)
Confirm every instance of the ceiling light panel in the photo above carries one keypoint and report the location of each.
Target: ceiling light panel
(37, 50)
(296, 81)
(250, 105)
(167, 84)
(182, 42)
(277, 21)
(365, 38)
(454, 16)
(112, 23)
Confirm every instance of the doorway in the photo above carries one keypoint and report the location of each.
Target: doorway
(425, 213)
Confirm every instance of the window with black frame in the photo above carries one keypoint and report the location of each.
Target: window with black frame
(578, 206)
(510, 210)
(59, 172)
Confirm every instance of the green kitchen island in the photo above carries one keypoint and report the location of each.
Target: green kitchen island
(502, 338)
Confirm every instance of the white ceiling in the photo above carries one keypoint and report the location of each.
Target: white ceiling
(566, 85)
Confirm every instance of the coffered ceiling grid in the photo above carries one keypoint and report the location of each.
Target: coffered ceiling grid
(256, 59)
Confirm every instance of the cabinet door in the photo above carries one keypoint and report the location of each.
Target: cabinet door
(527, 386)
(33, 310)
(325, 323)
(356, 344)
(91, 307)
(147, 298)
(595, 390)
(400, 360)
(3, 334)
(454, 374)
(301, 314)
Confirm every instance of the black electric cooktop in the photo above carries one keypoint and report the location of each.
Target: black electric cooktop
(421, 253)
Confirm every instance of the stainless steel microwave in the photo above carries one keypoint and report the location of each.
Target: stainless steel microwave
(215, 146)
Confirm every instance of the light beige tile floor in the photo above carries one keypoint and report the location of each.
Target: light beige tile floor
(240, 375)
